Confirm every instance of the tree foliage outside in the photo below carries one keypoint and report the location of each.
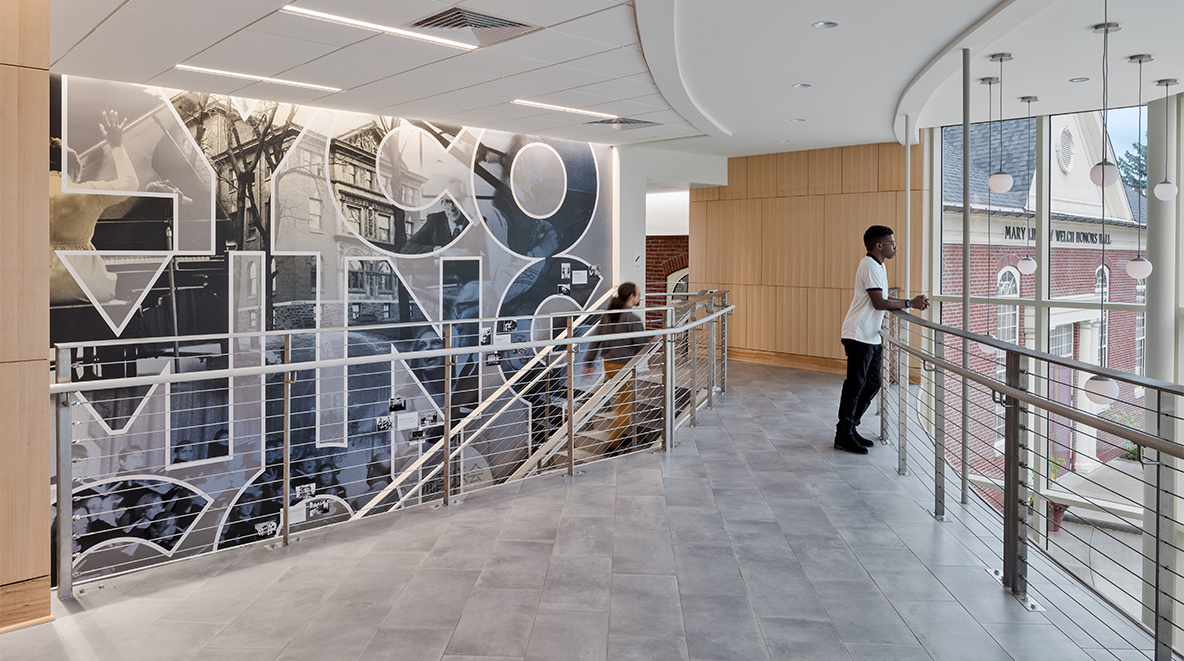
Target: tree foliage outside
(1133, 166)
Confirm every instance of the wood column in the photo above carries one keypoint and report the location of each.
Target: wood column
(25, 446)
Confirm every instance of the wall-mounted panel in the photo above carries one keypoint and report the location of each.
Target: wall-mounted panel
(24, 206)
(861, 165)
(892, 167)
(792, 235)
(737, 188)
(207, 215)
(24, 519)
(826, 171)
(24, 33)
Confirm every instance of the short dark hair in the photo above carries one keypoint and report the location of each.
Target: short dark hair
(874, 234)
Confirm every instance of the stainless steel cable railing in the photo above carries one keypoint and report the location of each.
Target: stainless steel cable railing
(1037, 444)
(174, 447)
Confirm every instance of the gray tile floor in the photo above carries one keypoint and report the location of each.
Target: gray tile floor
(752, 540)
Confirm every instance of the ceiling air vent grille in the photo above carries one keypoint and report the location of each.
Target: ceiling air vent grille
(472, 27)
(622, 123)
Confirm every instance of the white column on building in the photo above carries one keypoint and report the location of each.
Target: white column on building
(1163, 149)
(1085, 439)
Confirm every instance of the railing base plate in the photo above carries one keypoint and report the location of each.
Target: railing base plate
(936, 517)
(1025, 600)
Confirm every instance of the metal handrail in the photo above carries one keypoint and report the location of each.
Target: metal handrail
(1022, 483)
(1121, 431)
(1135, 379)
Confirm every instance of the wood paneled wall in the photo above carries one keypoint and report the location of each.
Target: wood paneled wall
(786, 235)
(24, 312)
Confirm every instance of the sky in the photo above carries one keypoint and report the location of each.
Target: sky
(1123, 127)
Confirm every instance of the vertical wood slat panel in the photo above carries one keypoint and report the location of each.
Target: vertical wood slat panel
(697, 246)
(24, 518)
(793, 174)
(741, 233)
(708, 194)
(24, 34)
(847, 217)
(793, 316)
(792, 235)
(916, 243)
(861, 165)
(891, 167)
(24, 208)
(737, 188)
(826, 171)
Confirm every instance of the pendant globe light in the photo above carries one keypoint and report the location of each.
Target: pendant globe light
(1139, 268)
(1100, 389)
(1027, 265)
(1165, 190)
(1000, 181)
(1105, 173)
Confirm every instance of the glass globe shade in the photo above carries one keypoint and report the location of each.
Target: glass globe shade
(1027, 266)
(1101, 390)
(1165, 190)
(1000, 182)
(1138, 268)
(1104, 173)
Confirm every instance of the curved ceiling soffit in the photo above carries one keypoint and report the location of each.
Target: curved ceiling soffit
(655, 29)
(1003, 18)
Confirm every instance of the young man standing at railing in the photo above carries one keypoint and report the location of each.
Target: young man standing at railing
(861, 336)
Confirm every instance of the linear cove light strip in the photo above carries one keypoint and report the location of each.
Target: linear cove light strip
(262, 79)
(547, 106)
(341, 20)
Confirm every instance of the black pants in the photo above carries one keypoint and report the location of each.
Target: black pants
(861, 386)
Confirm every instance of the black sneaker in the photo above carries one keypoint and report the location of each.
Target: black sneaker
(863, 441)
(849, 444)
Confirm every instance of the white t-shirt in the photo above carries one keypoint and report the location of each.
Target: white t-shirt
(863, 319)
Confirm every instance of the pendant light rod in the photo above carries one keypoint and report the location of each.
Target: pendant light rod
(1140, 59)
(1000, 180)
(1027, 265)
(1165, 190)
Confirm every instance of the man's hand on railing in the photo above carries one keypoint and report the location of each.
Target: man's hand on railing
(920, 302)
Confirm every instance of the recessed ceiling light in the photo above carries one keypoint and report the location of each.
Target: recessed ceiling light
(801, 86)
(797, 119)
(826, 25)
(548, 106)
(785, 141)
(342, 20)
(1078, 80)
(261, 79)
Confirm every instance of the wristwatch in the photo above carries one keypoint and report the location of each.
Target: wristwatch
(908, 303)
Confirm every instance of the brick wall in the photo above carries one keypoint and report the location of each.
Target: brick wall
(663, 255)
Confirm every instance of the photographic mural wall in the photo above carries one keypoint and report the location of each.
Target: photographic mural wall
(176, 213)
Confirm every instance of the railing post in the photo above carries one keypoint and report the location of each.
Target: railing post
(65, 459)
(447, 468)
(885, 379)
(711, 353)
(1015, 478)
(671, 413)
(1165, 527)
(939, 431)
(287, 503)
(723, 381)
(693, 349)
(902, 392)
(571, 398)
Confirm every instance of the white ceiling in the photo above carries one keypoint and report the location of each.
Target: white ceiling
(724, 70)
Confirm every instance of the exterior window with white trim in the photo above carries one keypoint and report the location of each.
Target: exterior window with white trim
(1140, 328)
(1007, 329)
(1102, 289)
